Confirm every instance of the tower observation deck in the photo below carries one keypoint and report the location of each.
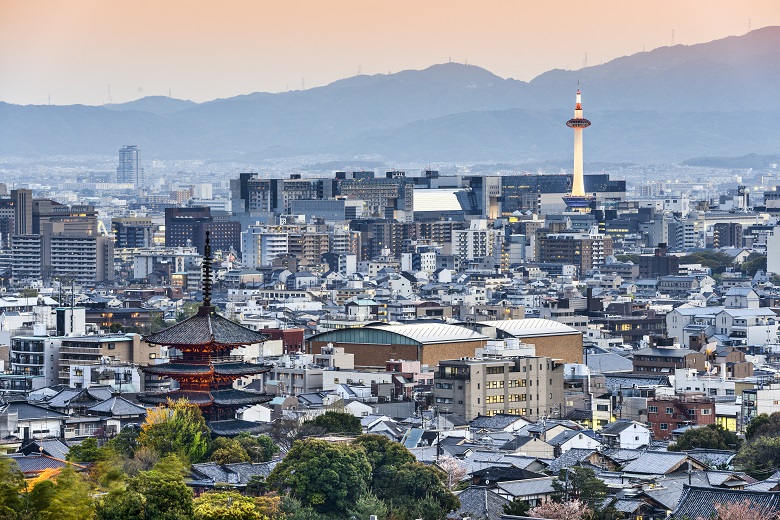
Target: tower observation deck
(578, 201)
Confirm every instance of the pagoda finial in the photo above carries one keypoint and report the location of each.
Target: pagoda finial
(207, 275)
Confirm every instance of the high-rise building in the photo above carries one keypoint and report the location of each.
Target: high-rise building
(23, 212)
(129, 169)
(188, 227)
(727, 234)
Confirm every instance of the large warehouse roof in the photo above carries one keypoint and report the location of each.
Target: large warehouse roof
(530, 327)
(415, 333)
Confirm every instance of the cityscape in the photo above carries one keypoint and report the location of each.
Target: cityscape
(379, 299)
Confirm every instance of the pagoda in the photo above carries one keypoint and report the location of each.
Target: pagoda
(203, 366)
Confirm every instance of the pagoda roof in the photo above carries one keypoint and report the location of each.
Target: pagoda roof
(234, 427)
(177, 369)
(240, 368)
(232, 397)
(226, 397)
(206, 328)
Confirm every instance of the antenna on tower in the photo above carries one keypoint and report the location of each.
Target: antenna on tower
(169, 93)
(109, 99)
(303, 83)
(360, 70)
(749, 24)
(672, 37)
(585, 61)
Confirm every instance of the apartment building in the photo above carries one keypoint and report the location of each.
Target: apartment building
(529, 386)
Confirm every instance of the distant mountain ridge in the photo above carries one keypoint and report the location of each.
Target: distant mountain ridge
(669, 104)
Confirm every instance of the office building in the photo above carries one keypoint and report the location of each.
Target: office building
(186, 227)
(527, 386)
(132, 232)
(130, 170)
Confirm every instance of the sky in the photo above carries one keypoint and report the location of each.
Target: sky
(98, 51)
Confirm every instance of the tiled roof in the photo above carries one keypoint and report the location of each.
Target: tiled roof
(480, 503)
(206, 329)
(233, 427)
(174, 368)
(569, 459)
(51, 447)
(239, 474)
(655, 463)
(529, 487)
(118, 406)
(698, 502)
(233, 397)
(36, 463)
(27, 411)
(614, 428)
(496, 422)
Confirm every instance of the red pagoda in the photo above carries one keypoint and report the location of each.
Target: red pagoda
(203, 366)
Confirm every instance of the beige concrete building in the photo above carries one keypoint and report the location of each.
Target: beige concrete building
(529, 386)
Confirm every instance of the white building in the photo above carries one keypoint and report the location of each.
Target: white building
(259, 247)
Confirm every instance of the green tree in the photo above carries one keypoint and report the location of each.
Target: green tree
(71, 498)
(753, 263)
(327, 476)
(226, 505)
(582, 484)
(227, 451)
(517, 508)
(87, 451)
(762, 425)
(715, 260)
(11, 485)
(382, 452)
(293, 509)
(412, 486)
(334, 422)
(760, 456)
(178, 429)
(165, 495)
(712, 436)
(121, 504)
(629, 258)
(188, 309)
(368, 504)
(260, 449)
(40, 496)
(125, 443)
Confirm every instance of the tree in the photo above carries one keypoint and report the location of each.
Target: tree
(87, 451)
(382, 452)
(715, 260)
(336, 422)
(763, 424)
(227, 451)
(179, 429)
(745, 510)
(121, 504)
(11, 485)
(581, 483)
(414, 485)
(571, 510)
(753, 263)
(454, 469)
(712, 436)
(269, 506)
(188, 309)
(70, 499)
(367, 505)
(760, 456)
(517, 508)
(165, 495)
(225, 505)
(285, 430)
(326, 476)
(293, 509)
(260, 448)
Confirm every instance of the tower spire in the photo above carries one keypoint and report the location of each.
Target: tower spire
(206, 307)
(577, 201)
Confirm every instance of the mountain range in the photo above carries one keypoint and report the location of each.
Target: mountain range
(666, 105)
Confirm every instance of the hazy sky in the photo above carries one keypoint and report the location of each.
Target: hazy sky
(71, 50)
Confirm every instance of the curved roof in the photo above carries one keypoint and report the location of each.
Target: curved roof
(411, 334)
(206, 328)
(530, 327)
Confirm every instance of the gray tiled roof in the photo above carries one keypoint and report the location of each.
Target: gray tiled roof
(117, 406)
(206, 329)
(495, 422)
(698, 502)
(528, 487)
(239, 474)
(568, 459)
(480, 503)
(655, 463)
(29, 411)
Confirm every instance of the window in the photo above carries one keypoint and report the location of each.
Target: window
(494, 370)
(669, 410)
(514, 398)
(664, 426)
(602, 408)
(652, 409)
(493, 384)
(445, 386)
(706, 411)
(491, 399)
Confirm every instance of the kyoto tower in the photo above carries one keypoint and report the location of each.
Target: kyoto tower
(578, 201)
